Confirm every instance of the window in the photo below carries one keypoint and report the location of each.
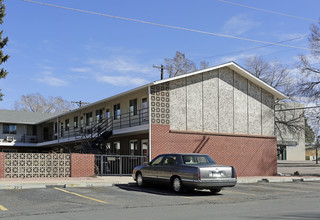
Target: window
(55, 127)
(116, 111)
(144, 109)
(133, 107)
(88, 118)
(107, 113)
(133, 147)
(67, 125)
(99, 115)
(197, 159)
(9, 129)
(61, 125)
(156, 161)
(75, 122)
(116, 148)
(170, 161)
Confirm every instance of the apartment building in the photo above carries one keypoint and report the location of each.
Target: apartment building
(223, 111)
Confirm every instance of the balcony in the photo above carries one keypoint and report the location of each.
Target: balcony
(120, 124)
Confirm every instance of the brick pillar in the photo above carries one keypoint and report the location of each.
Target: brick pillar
(82, 165)
(2, 156)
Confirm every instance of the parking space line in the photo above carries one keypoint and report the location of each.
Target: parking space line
(77, 194)
(275, 188)
(3, 208)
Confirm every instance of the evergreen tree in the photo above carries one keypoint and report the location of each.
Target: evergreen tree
(3, 42)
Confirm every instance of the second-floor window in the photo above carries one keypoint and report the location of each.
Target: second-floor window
(133, 107)
(99, 115)
(88, 118)
(67, 125)
(9, 129)
(116, 111)
(75, 122)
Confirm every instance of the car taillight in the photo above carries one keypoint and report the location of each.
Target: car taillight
(234, 173)
(199, 177)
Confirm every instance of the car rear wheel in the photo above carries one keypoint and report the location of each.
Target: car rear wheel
(215, 190)
(139, 180)
(177, 185)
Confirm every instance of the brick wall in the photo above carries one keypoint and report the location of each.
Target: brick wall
(1, 165)
(250, 155)
(82, 165)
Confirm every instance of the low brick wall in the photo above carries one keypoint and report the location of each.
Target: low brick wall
(250, 155)
(82, 165)
(2, 164)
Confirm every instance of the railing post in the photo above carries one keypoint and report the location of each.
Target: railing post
(120, 167)
(101, 164)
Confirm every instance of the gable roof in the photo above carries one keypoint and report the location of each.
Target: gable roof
(22, 117)
(232, 65)
(238, 69)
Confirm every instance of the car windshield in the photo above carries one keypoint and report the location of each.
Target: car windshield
(197, 159)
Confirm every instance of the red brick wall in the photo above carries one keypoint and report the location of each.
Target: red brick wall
(2, 164)
(82, 165)
(250, 155)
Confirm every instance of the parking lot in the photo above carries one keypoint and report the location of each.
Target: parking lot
(297, 200)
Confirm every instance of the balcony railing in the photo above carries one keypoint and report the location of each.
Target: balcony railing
(130, 119)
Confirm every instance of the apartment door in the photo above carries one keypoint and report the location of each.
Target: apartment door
(144, 148)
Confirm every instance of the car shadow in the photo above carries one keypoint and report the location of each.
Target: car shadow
(164, 190)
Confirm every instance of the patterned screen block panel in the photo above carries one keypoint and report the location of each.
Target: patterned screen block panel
(33, 165)
(160, 104)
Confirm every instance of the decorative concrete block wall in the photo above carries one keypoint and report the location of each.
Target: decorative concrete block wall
(35, 165)
(38, 165)
(82, 165)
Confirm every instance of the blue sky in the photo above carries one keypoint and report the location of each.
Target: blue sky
(81, 56)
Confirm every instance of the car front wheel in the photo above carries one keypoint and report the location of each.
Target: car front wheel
(177, 185)
(140, 181)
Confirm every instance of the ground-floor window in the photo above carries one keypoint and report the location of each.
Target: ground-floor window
(282, 152)
(116, 148)
(133, 147)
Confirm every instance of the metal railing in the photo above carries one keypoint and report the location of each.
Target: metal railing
(108, 165)
(129, 119)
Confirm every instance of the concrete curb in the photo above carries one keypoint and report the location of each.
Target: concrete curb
(17, 186)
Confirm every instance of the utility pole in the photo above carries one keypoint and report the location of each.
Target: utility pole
(161, 69)
(80, 103)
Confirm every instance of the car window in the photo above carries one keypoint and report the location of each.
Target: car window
(156, 161)
(170, 161)
(197, 159)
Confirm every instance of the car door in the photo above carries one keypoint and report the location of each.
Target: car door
(167, 168)
(151, 172)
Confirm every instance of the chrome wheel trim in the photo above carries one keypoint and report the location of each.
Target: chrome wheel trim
(176, 185)
(139, 180)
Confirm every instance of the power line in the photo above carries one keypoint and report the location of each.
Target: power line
(174, 27)
(252, 48)
(264, 10)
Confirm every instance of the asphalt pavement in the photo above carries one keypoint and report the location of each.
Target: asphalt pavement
(289, 171)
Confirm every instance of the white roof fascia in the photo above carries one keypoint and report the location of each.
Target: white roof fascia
(241, 71)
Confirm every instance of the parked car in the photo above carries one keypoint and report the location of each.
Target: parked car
(186, 171)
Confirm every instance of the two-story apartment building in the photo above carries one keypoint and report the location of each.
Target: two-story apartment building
(223, 111)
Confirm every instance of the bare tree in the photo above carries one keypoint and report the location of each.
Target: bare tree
(309, 66)
(272, 73)
(180, 65)
(38, 103)
(287, 122)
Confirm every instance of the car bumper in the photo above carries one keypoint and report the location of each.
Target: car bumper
(208, 184)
